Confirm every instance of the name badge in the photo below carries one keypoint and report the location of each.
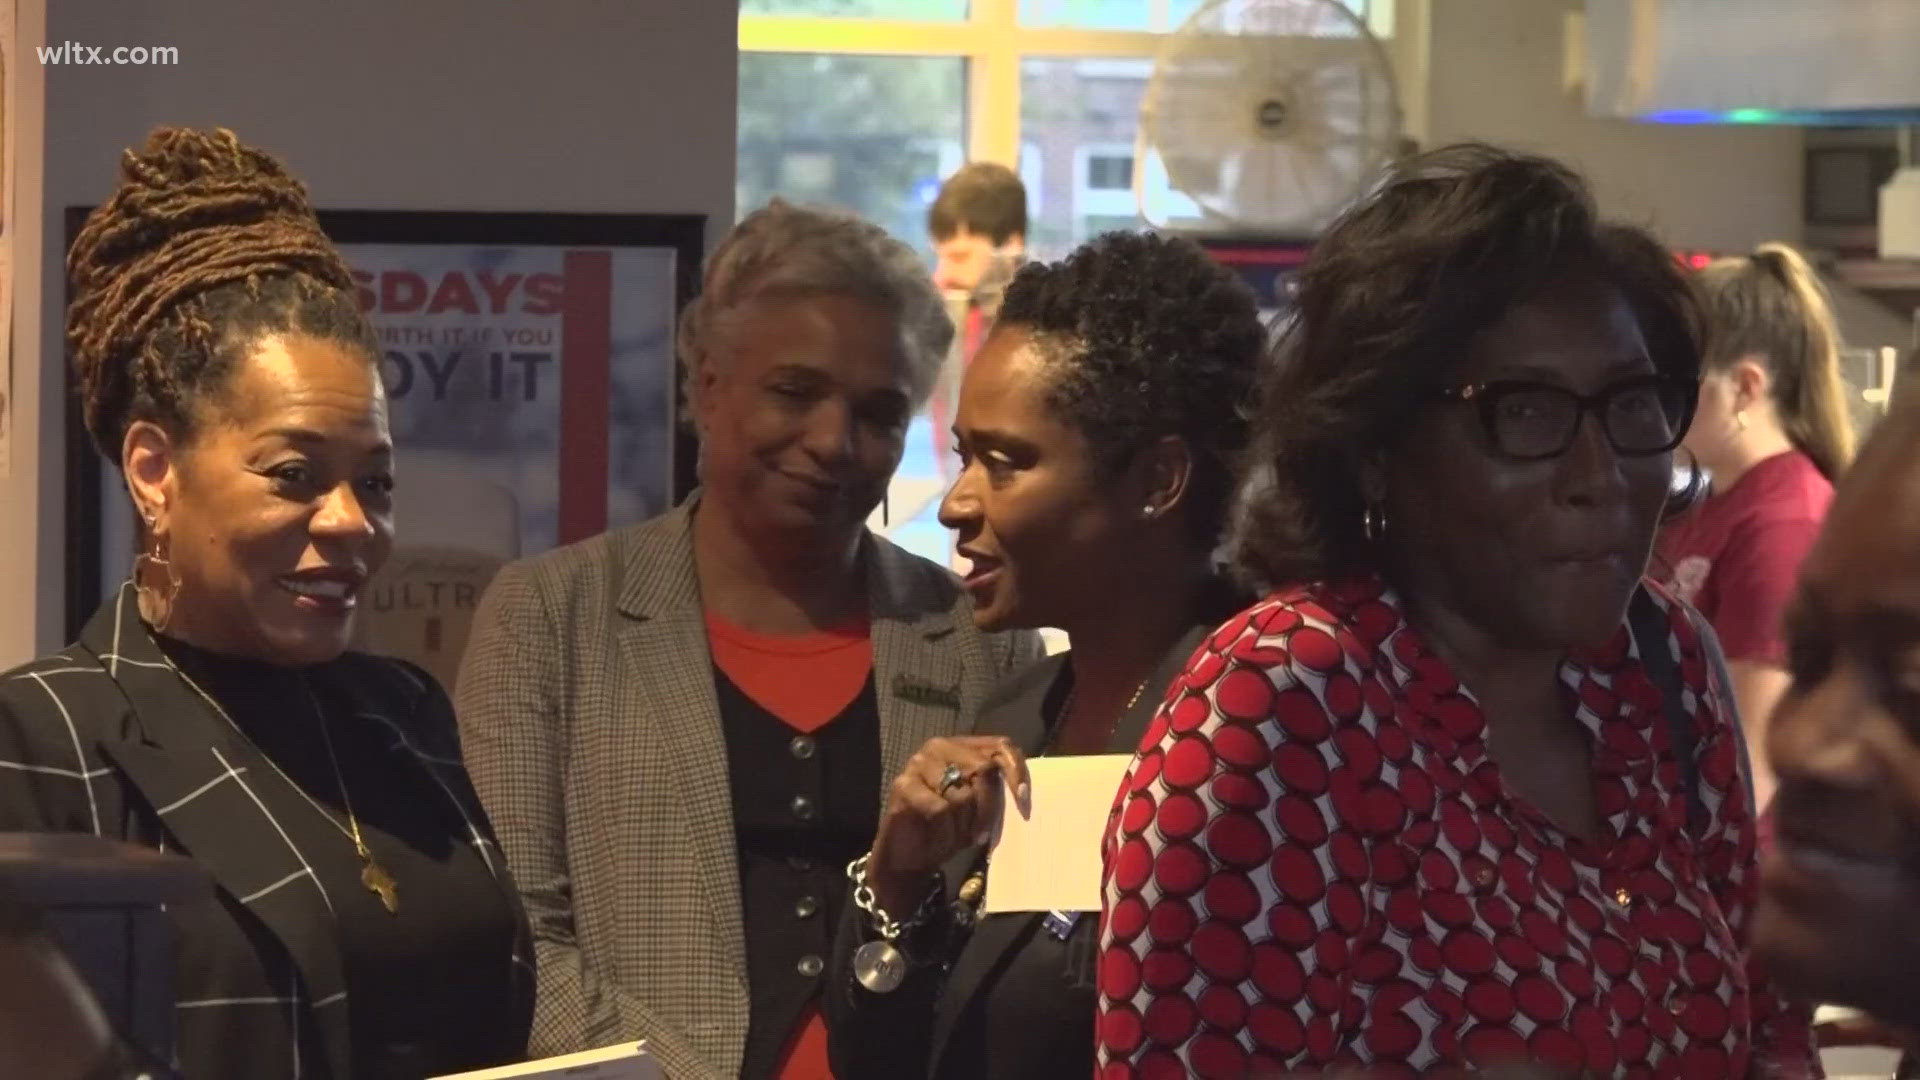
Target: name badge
(1060, 923)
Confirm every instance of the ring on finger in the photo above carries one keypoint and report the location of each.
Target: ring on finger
(952, 778)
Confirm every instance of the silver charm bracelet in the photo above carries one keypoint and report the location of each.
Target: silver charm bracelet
(880, 966)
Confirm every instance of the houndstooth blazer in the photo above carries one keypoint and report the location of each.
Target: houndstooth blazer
(588, 717)
(107, 738)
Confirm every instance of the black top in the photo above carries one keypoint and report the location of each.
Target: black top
(425, 990)
(804, 805)
(1011, 996)
(1037, 1008)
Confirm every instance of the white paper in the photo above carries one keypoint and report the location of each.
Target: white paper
(627, 1061)
(1046, 856)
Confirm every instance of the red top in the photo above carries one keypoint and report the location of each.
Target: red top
(1737, 556)
(806, 681)
(1313, 864)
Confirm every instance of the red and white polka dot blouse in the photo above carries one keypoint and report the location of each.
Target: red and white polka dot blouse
(1314, 863)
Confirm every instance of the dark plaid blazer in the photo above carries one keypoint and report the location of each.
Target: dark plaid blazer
(588, 716)
(106, 738)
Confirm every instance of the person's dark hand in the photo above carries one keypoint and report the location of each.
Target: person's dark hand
(927, 822)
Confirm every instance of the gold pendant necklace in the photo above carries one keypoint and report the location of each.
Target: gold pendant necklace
(373, 876)
(1066, 712)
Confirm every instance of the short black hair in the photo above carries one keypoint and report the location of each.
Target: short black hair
(1152, 337)
(1383, 310)
(984, 197)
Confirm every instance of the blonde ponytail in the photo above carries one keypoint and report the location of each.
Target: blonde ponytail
(1772, 305)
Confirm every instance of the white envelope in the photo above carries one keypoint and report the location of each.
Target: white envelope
(627, 1061)
(1046, 856)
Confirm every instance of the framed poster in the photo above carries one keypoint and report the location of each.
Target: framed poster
(533, 396)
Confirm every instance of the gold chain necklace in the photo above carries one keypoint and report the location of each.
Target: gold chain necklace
(1066, 710)
(373, 876)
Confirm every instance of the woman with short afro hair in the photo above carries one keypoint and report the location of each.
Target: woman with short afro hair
(1098, 431)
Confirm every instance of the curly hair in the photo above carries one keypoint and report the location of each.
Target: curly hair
(1150, 337)
(783, 250)
(1386, 306)
(206, 246)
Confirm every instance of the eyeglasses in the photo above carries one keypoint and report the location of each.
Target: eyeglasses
(1531, 421)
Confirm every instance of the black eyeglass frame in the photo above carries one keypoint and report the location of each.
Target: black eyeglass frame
(1486, 397)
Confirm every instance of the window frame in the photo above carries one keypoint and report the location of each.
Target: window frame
(1084, 157)
(992, 41)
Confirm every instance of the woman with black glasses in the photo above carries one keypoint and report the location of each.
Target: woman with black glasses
(1461, 790)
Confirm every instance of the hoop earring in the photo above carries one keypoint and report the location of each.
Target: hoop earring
(160, 607)
(1373, 524)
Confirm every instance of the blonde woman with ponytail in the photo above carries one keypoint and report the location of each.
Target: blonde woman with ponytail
(1773, 433)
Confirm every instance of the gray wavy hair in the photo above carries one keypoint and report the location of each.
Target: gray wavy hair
(782, 250)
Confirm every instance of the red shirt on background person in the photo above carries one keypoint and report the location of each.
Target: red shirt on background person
(1737, 556)
(1772, 431)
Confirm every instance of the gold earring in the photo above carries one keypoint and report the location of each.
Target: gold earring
(1740, 419)
(159, 608)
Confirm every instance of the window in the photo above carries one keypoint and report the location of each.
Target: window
(1092, 225)
(809, 132)
(1150, 15)
(869, 104)
(994, 41)
(1091, 14)
(1110, 172)
(909, 10)
(1081, 114)
(1033, 177)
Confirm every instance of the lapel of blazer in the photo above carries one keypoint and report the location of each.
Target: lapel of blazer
(185, 760)
(1022, 717)
(663, 639)
(917, 671)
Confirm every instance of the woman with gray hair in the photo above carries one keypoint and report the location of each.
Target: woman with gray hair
(683, 729)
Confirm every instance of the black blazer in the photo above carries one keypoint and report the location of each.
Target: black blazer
(910, 1031)
(106, 738)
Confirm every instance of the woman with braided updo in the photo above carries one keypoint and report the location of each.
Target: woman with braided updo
(361, 923)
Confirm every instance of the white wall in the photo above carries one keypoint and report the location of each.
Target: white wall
(25, 502)
(1494, 72)
(556, 105)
